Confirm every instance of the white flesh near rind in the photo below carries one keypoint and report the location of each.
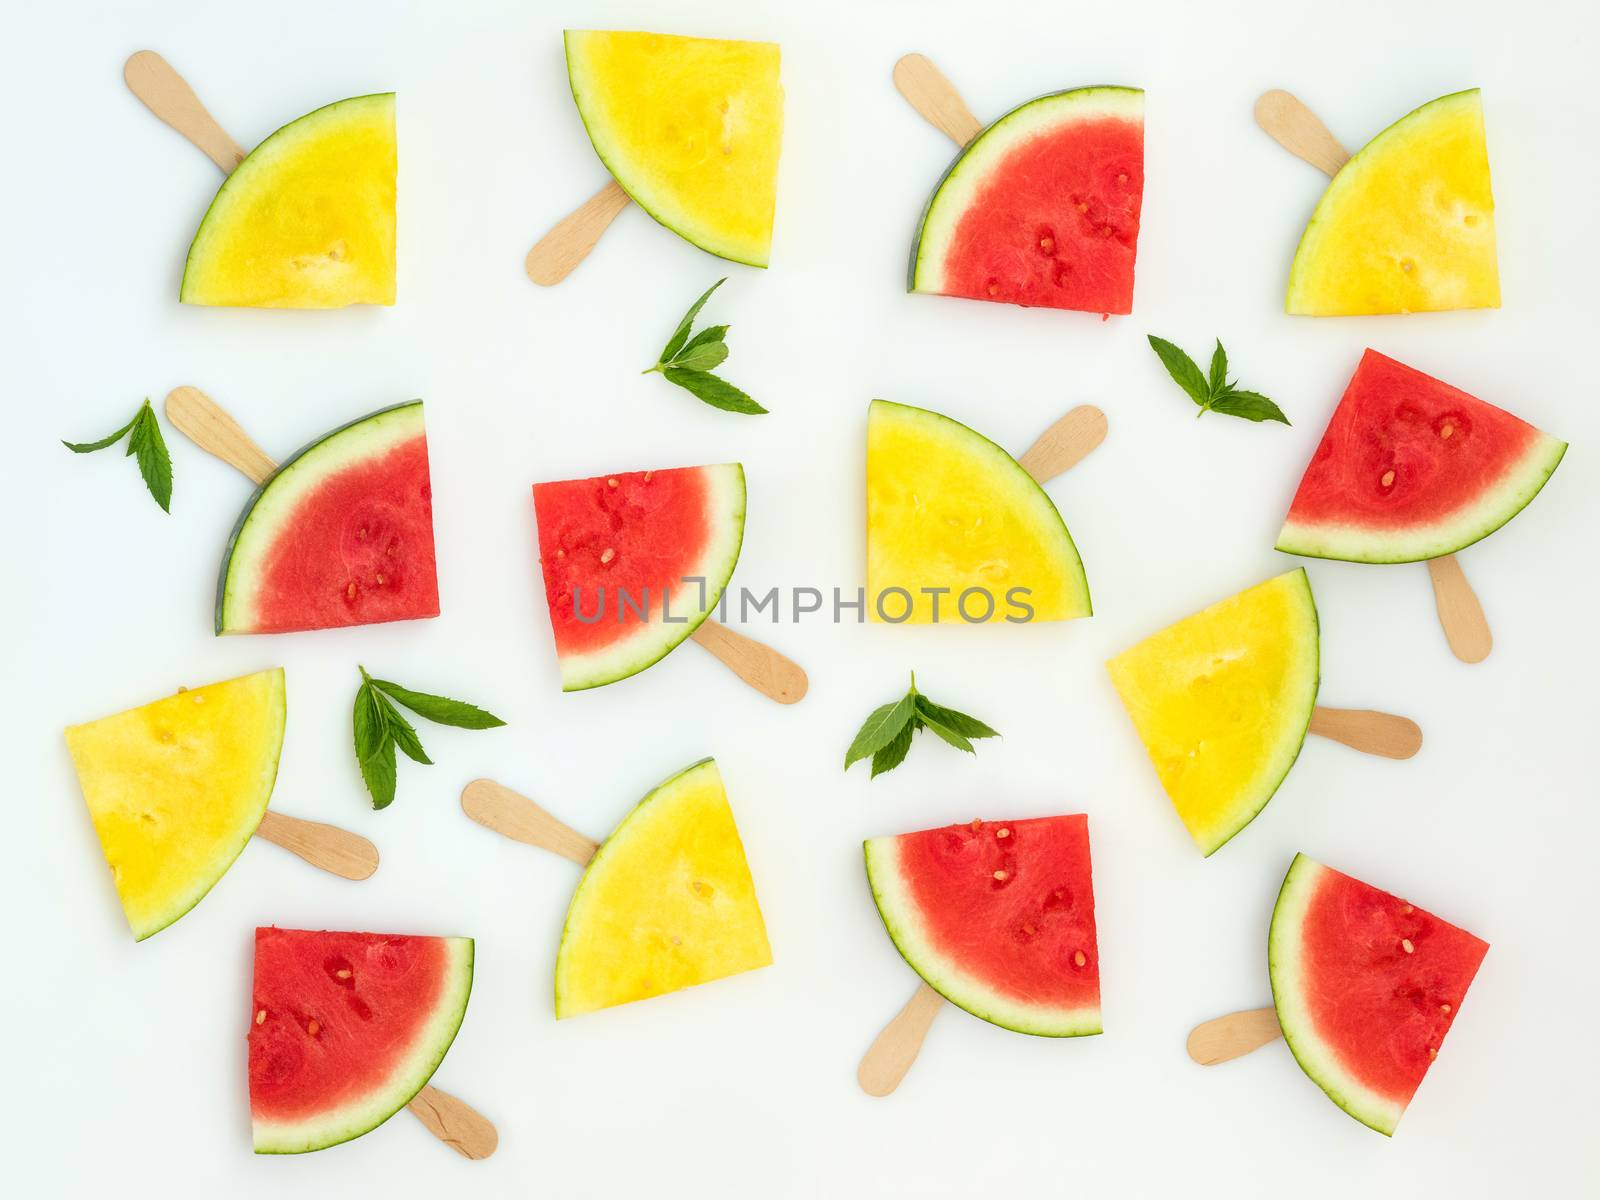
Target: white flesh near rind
(1473, 522)
(383, 1100)
(276, 502)
(901, 917)
(968, 175)
(1285, 966)
(655, 639)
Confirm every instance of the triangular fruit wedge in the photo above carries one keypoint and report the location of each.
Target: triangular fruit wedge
(177, 788)
(1366, 986)
(345, 1028)
(634, 562)
(1407, 225)
(667, 902)
(998, 918)
(342, 534)
(691, 128)
(957, 531)
(307, 219)
(1411, 468)
(1042, 207)
(1222, 701)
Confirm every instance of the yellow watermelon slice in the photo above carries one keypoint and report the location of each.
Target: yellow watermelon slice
(307, 220)
(948, 509)
(1407, 225)
(667, 902)
(177, 788)
(691, 128)
(1222, 701)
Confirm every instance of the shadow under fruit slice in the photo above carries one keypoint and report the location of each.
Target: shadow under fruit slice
(691, 128)
(176, 788)
(1407, 225)
(345, 1028)
(947, 508)
(667, 902)
(1411, 468)
(633, 563)
(307, 220)
(1041, 208)
(998, 918)
(1222, 701)
(341, 534)
(1366, 986)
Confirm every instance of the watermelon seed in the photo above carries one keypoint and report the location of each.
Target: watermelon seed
(676, 940)
(647, 475)
(342, 973)
(1447, 431)
(1079, 958)
(1048, 245)
(1407, 265)
(607, 554)
(1083, 208)
(1123, 178)
(993, 289)
(261, 1015)
(312, 1027)
(199, 699)
(379, 580)
(611, 483)
(976, 824)
(1407, 910)
(361, 534)
(1433, 1053)
(1002, 833)
(1444, 1008)
(1388, 479)
(1405, 944)
(1002, 876)
(350, 592)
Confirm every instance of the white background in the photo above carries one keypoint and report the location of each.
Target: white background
(126, 1063)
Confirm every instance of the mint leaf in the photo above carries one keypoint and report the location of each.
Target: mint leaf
(882, 727)
(441, 710)
(1252, 406)
(402, 733)
(951, 719)
(949, 735)
(887, 734)
(718, 393)
(147, 445)
(378, 773)
(1219, 369)
(711, 333)
(680, 335)
(1182, 369)
(891, 756)
(701, 358)
(111, 439)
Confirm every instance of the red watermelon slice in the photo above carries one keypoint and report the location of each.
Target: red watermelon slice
(341, 534)
(1411, 468)
(1041, 208)
(998, 918)
(1366, 986)
(634, 562)
(345, 1028)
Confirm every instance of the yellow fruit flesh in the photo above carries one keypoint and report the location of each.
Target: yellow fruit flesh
(176, 789)
(947, 508)
(1408, 224)
(308, 219)
(666, 903)
(690, 127)
(1222, 700)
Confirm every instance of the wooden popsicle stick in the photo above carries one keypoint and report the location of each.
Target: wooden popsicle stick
(335, 850)
(1380, 733)
(1298, 130)
(1223, 1038)
(763, 668)
(935, 98)
(164, 92)
(455, 1123)
(497, 807)
(1466, 629)
(207, 424)
(894, 1050)
(1065, 444)
(557, 253)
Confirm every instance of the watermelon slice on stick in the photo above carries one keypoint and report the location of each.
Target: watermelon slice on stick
(690, 129)
(997, 917)
(1223, 701)
(340, 534)
(1364, 986)
(178, 786)
(306, 219)
(346, 1029)
(633, 565)
(665, 903)
(1411, 468)
(1040, 208)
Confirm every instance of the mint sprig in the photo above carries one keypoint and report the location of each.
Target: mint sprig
(1212, 391)
(147, 445)
(380, 728)
(688, 361)
(886, 735)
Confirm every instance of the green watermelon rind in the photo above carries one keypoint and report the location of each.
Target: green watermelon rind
(1520, 483)
(657, 639)
(945, 976)
(1358, 163)
(239, 180)
(965, 175)
(409, 1077)
(272, 504)
(1316, 1058)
